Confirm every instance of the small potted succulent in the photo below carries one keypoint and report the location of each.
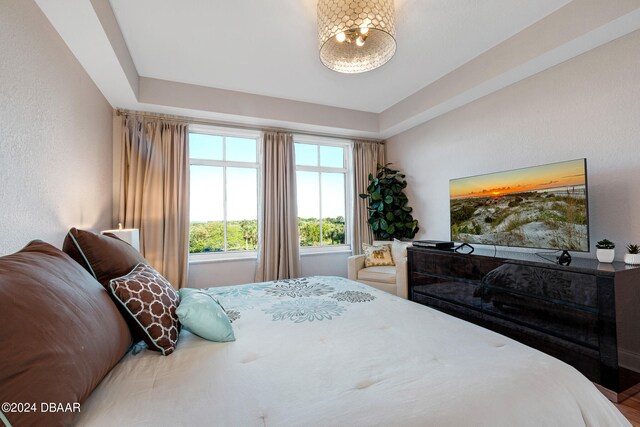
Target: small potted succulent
(606, 250)
(633, 254)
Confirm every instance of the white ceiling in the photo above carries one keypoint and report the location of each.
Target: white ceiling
(270, 47)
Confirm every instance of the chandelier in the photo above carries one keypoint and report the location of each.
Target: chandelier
(356, 36)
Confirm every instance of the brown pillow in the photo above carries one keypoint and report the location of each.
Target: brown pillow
(151, 301)
(103, 255)
(61, 333)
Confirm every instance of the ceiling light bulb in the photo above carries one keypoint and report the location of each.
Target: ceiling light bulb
(360, 41)
(364, 30)
(340, 37)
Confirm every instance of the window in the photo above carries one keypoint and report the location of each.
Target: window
(224, 190)
(322, 177)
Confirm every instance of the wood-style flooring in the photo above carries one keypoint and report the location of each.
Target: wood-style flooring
(630, 408)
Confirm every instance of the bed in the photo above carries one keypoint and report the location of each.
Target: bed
(309, 351)
(329, 351)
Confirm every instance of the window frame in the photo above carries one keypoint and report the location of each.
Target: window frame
(225, 133)
(348, 190)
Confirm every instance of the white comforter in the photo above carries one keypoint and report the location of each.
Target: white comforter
(330, 352)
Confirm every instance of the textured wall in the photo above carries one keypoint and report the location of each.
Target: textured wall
(55, 135)
(586, 107)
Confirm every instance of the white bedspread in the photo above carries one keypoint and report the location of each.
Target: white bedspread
(330, 352)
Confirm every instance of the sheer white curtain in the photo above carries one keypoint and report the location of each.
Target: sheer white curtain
(154, 192)
(278, 242)
(366, 156)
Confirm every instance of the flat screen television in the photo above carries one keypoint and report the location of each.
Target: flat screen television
(543, 207)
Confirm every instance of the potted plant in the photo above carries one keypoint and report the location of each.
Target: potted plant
(633, 254)
(389, 215)
(606, 251)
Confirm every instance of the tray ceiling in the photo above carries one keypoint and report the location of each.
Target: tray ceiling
(271, 47)
(256, 62)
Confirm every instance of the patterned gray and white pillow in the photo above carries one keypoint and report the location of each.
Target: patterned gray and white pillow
(151, 301)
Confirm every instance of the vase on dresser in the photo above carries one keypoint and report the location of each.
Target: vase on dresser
(632, 259)
(605, 255)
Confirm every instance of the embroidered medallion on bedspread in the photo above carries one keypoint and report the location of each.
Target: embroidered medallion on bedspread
(307, 299)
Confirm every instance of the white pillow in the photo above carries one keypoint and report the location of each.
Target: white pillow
(399, 250)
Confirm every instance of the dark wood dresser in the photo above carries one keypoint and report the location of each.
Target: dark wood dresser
(586, 314)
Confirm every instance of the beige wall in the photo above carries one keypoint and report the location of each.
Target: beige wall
(586, 107)
(55, 135)
(239, 271)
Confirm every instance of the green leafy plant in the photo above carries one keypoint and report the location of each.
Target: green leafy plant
(389, 215)
(633, 249)
(605, 244)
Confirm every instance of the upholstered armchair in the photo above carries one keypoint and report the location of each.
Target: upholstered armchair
(388, 278)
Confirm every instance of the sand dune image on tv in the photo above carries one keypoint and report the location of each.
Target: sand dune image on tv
(543, 207)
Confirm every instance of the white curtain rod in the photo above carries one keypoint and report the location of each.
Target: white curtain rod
(191, 120)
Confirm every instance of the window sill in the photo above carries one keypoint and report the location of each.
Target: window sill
(233, 257)
(327, 250)
(207, 258)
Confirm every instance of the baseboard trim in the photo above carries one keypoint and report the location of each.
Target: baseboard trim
(629, 359)
(618, 397)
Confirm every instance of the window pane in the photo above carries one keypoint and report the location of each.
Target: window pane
(306, 155)
(242, 209)
(206, 233)
(241, 149)
(203, 146)
(308, 184)
(333, 208)
(332, 157)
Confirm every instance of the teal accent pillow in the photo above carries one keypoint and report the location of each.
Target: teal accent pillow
(203, 315)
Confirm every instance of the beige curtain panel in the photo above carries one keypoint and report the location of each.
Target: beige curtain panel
(278, 242)
(366, 156)
(154, 192)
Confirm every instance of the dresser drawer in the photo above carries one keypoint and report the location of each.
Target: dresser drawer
(453, 309)
(447, 289)
(555, 286)
(567, 322)
(453, 265)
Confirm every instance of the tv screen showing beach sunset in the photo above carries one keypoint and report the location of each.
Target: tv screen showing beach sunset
(539, 207)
